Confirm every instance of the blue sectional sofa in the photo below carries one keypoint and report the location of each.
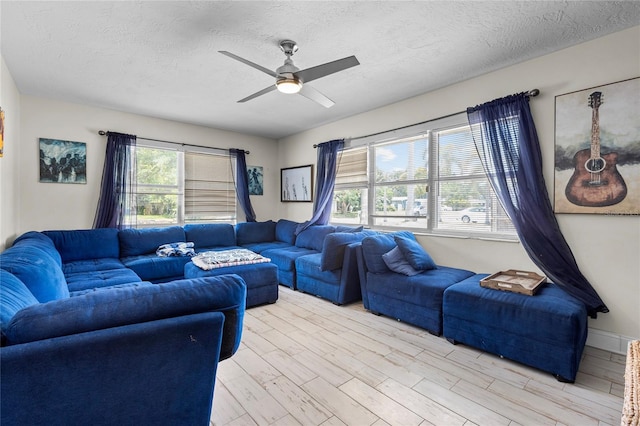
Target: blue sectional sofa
(547, 331)
(86, 341)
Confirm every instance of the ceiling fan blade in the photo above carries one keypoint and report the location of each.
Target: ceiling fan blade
(311, 93)
(248, 62)
(260, 93)
(323, 70)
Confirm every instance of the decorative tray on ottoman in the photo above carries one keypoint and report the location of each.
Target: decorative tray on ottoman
(515, 281)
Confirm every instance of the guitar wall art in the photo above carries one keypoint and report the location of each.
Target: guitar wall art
(597, 152)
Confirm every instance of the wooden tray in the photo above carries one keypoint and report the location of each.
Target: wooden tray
(515, 281)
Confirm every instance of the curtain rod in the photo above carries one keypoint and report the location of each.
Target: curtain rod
(532, 93)
(103, 133)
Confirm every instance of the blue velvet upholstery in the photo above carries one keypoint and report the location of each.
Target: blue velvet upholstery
(135, 242)
(261, 247)
(37, 270)
(209, 235)
(413, 299)
(255, 232)
(261, 280)
(100, 278)
(286, 231)
(153, 373)
(396, 261)
(40, 240)
(14, 296)
(155, 268)
(313, 237)
(414, 253)
(334, 245)
(86, 243)
(132, 353)
(375, 246)
(91, 265)
(130, 305)
(340, 285)
(284, 259)
(546, 331)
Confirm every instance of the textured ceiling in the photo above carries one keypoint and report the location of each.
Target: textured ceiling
(161, 58)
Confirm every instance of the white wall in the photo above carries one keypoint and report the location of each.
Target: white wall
(9, 195)
(45, 206)
(607, 248)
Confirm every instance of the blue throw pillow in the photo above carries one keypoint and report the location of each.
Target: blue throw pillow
(417, 257)
(397, 263)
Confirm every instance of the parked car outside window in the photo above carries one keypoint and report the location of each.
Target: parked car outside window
(473, 214)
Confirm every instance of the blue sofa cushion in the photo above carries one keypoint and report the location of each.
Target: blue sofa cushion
(37, 270)
(92, 265)
(313, 237)
(260, 247)
(413, 252)
(334, 246)
(40, 240)
(14, 296)
(86, 243)
(208, 235)
(133, 304)
(255, 232)
(285, 258)
(396, 261)
(373, 247)
(134, 242)
(151, 267)
(97, 279)
(286, 231)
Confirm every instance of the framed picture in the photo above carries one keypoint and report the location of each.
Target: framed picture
(255, 176)
(597, 154)
(63, 161)
(296, 184)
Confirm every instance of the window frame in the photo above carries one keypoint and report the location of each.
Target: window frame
(181, 153)
(431, 131)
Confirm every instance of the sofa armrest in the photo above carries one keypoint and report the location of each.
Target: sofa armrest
(130, 305)
(157, 372)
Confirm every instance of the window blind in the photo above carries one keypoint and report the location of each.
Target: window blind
(209, 191)
(352, 168)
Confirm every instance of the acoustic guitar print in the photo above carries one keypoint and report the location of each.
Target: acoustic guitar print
(596, 181)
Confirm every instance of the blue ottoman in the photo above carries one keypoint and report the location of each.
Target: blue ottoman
(546, 331)
(261, 279)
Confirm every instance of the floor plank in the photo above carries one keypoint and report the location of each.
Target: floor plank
(305, 361)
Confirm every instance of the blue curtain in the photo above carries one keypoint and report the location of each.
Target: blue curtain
(117, 192)
(242, 184)
(507, 142)
(325, 181)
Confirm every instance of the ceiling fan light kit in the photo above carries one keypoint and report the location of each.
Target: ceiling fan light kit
(290, 79)
(289, 85)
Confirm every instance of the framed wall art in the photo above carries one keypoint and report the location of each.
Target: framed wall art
(296, 184)
(256, 180)
(597, 150)
(63, 161)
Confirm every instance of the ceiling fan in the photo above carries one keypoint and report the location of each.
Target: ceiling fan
(290, 79)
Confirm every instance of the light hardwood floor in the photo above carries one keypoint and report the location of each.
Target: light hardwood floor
(306, 361)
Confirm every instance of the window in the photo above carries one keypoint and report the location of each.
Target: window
(429, 179)
(178, 187)
(350, 191)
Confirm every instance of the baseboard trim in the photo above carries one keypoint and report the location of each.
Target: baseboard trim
(608, 341)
